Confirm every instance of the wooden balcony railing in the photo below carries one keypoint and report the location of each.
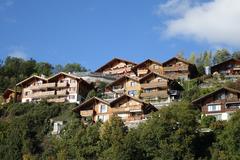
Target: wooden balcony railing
(135, 118)
(62, 84)
(132, 108)
(142, 71)
(120, 109)
(135, 108)
(57, 100)
(62, 93)
(43, 86)
(162, 94)
(86, 113)
(118, 90)
(42, 94)
(154, 85)
(176, 68)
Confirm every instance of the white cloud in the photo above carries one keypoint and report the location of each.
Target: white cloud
(17, 51)
(18, 54)
(217, 22)
(173, 7)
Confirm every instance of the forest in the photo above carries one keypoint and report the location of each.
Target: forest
(176, 132)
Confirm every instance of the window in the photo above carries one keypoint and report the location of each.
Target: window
(26, 93)
(103, 118)
(103, 108)
(214, 107)
(147, 90)
(71, 96)
(132, 92)
(221, 96)
(72, 81)
(132, 84)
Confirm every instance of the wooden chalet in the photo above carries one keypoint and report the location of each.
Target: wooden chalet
(178, 68)
(158, 89)
(116, 67)
(220, 103)
(123, 85)
(11, 95)
(126, 107)
(230, 69)
(146, 67)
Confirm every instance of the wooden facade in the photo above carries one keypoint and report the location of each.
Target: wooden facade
(124, 85)
(61, 87)
(220, 103)
(117, 67)
(230, 69)
(158, 89)
(146, 67)
(11, 95)
(178, 68)
(126, 107)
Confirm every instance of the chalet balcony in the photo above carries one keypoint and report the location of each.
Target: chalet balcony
(175, 68)
(86, 113)
(42, 94)
(142, 71)
(120, 109)
(62, 93)
(136, 118)
(135, 108)
(43, 86)
(232, 76)
(162, 94)
(109, 96)
(132, 108)
(237, 68)
(117, 70)
(118, 89)
(62, 84)
(57, 100)
(232, 105)
(154, 85)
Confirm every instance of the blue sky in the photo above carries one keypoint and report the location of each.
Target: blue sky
(92, 32)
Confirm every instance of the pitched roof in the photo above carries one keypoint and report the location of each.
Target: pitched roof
(128, 97)
(64, 73)
(7, 92)
(179, 59)
(154, 73)
(147, 106)
(88, 103)
(121, 79)
(68, 75)
(113, 61)
(30, 78)
(227, 61)
(144, 63)
(216, 91)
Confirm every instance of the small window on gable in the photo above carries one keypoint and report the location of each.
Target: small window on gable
(103, 108)
(132, 83)
(221, 95)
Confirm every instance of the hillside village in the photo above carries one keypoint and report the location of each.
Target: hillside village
(123, 110)
(132, 90)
